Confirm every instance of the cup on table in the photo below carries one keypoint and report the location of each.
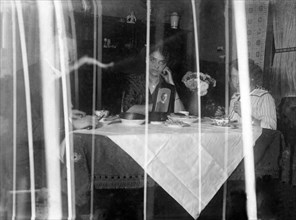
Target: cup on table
(186, 113)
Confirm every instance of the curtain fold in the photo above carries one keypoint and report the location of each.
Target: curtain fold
(284, 65)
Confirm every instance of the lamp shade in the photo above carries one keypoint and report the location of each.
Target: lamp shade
(174, 20)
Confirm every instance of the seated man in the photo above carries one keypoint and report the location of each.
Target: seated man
(161, 87)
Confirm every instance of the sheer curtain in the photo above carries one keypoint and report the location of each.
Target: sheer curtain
(13, 125)
(284, 65)
(22, 169)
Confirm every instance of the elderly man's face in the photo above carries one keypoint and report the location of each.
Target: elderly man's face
(157, 64)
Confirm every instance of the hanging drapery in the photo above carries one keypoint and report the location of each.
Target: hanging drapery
(284, 65)
(21, 110)
(257, 16)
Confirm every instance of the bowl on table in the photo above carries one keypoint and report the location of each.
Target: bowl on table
(221, 121)
(130, 118)
(183, 112)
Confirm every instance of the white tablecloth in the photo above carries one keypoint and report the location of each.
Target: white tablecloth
(189, 172)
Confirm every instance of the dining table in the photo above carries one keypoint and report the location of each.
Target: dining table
(190, 163)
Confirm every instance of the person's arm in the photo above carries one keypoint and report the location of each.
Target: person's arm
(266, 112)
(167, 75)
(232, 109)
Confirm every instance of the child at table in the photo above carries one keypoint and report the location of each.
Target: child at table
(262, 103)
(263, 112)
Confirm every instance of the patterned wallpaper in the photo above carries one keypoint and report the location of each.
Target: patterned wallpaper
(257, 15)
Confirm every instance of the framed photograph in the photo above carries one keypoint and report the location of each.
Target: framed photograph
(163, 100)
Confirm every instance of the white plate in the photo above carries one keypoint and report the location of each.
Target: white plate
(156, 122)
(186, 119)
(132, 122)
(176, 124)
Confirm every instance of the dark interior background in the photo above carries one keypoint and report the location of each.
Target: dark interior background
(127, 49)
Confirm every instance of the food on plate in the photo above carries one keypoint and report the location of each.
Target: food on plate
(221, 121)
(188, 119)
(224, 122)
(173, 123)
(102, 113)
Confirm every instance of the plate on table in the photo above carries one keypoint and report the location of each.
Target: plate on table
(176, 124)
(131, 119)
(111, 120)
(224, 122)
(188, 119)
(157, 122)
(220, 121)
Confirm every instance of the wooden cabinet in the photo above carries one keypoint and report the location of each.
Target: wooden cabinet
(121, 39)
